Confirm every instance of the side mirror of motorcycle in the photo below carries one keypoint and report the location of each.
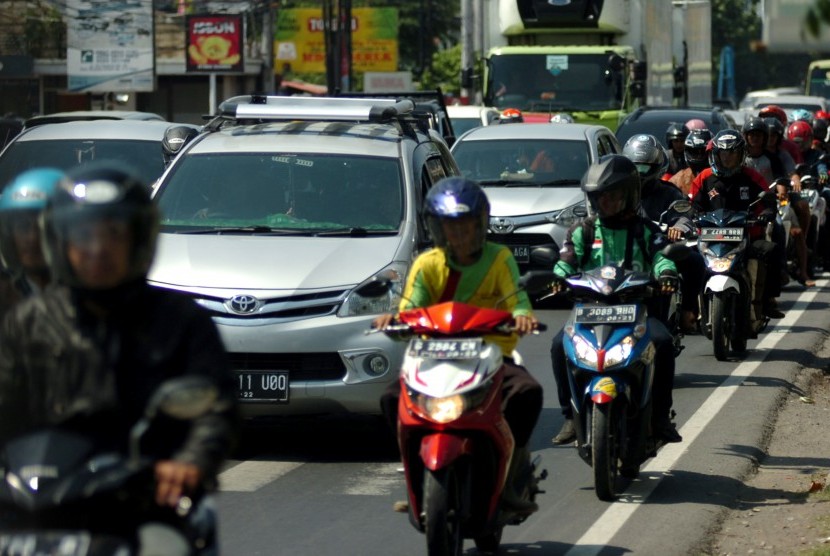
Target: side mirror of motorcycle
(544, 257)
(580, 211)
(536, 281)
(185, 398)
(676, 251)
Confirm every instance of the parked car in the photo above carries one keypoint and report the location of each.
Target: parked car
(532, 175)
(70, 144)
(274, 216)
(87, 115)
(655, 120)
(467, 116)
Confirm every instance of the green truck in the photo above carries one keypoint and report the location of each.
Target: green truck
(597, 60)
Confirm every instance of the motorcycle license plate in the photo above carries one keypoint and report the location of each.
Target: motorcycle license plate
(521, 253)
(606, 314)
(262, 386)
(721, 234)
(445, 349)
(59, 544)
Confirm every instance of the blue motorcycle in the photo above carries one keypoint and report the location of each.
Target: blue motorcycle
(610, 357)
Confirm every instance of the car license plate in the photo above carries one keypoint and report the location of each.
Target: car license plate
(270, 386)
(721, 234)
(58, 543)
(521, 253)
(445, 349)
(605, 314)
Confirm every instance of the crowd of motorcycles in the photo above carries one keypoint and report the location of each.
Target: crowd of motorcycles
(454, 442)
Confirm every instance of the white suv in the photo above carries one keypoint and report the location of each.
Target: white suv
(274, 215)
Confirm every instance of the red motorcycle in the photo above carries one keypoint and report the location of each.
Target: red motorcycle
(455, 443)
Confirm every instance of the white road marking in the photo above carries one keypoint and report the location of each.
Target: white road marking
(375, 479)
(613, 519)
(249, 476)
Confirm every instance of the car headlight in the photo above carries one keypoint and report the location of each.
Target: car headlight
(620, 352)
(356, 304)
(566, 217)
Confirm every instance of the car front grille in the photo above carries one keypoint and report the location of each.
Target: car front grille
(300, 366)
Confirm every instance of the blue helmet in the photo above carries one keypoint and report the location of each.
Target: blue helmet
(20, 203)
(800, 114)
(456, 198)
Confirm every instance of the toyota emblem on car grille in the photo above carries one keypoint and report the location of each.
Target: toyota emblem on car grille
(501, 225)
(243, 304)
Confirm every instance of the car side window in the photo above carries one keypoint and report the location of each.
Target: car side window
(602, 147)
(607, 145)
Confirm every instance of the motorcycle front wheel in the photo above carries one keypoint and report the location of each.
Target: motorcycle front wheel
(605, 446)
(719, 306)
(442, 511)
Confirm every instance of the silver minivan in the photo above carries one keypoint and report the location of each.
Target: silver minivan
(274, 215)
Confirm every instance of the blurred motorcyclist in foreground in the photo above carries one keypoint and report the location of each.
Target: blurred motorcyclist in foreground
(87, 353)
(24, 267)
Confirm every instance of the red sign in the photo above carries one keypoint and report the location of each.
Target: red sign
(214, 43)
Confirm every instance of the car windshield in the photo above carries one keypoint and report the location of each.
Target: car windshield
(554, 83)
(523, 161)
(144, 156)
(657, 126)
(282, 193)
(462, 125)
(790, 106)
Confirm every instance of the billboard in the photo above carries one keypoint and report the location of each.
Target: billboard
(214, 43)
(109, 46)
(299, 40)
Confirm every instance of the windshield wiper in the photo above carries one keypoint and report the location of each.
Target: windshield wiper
(529, 183)
(219, 230)
(354, 232)
(569, 181)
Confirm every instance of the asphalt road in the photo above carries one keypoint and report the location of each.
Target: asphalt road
(327, 487)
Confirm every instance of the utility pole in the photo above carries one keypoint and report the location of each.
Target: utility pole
(467, 51)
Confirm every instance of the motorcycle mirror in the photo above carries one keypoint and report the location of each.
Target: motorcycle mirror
(580, 211)
(185, 398)
(535, 281)
(544, 257)
(676, 251)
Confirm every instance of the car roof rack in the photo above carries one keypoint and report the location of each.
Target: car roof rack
(261, 108)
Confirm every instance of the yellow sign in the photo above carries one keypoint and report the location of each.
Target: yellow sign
(300, 46)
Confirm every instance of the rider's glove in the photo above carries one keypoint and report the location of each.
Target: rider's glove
(669, 281)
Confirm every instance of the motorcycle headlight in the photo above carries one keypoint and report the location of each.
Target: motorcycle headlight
(585, 353)
(444, 410)
(450, 408)
(356, 304)
(720, 264)
(620, 352)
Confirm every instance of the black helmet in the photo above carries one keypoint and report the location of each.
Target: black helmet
(648, 157)
(754, 123)
(175, 138)
(616, 176)
(726, 140)
(675, 131)
(94, 192)
(820, 129)
(774, 125)
(694, 149)
(456, 198)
